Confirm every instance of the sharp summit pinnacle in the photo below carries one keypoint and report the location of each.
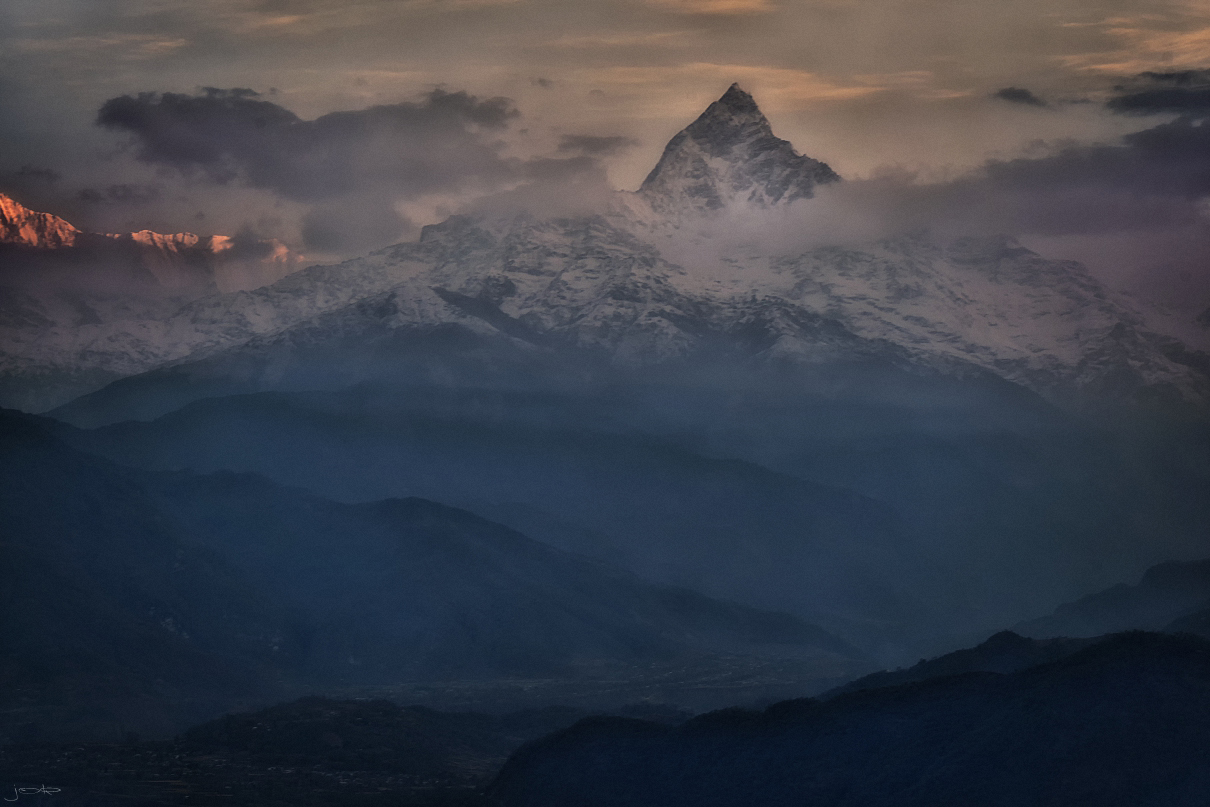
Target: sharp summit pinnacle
(730, 154)
(738, 101)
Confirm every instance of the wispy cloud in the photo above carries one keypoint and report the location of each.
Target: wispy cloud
(123, 46)
(714, 6)
(632, 39)
(1148, 42)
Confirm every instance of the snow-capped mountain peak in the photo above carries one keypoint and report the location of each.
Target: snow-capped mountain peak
(28, 228)
(173, 260)
(730, 154)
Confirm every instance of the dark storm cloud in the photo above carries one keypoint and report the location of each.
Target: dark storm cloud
(351, 168)
(1153, 177)
(1154, 173)
(408, 149)
(1162, 170)
(1136, 209)
(33, 186)
(1186, 92)
(35, 174)
(1018, 95)
(596, 145)
(123, 193)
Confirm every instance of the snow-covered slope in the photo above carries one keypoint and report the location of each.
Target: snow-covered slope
(636, 286)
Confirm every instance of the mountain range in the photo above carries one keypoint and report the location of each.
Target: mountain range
(888, 439)
(169, 258)
(671, 274)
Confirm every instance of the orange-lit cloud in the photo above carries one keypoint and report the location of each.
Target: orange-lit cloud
(1149, 42)
(714, 6)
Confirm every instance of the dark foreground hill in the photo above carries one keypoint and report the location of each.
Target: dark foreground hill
(1126, 721)
(308, 752)
(1005, 652)
(143, 601)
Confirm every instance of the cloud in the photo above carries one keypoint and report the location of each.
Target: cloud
(355, 179)
(342, 228)
(1154, 36)
(1152, 177)
(121, 46)
(354, 166)
(1186, 92)
(713, 6)
(628, 39)
(1018, 95)
(555, 188)
(1137, 210)
(233, 135)
(122, 193)
(603, 146)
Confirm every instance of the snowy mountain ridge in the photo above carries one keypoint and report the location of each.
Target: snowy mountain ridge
(639, 285)
(160, 252)
(28, 228)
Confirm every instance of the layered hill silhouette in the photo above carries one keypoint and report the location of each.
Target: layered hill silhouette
(1173, 596)
(1003, 652)
(1121, 722)
(138, 601)
(1013, 721)
(359, 753)
(904, 527)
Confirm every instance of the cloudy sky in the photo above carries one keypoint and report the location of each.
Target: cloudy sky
(340, 124)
